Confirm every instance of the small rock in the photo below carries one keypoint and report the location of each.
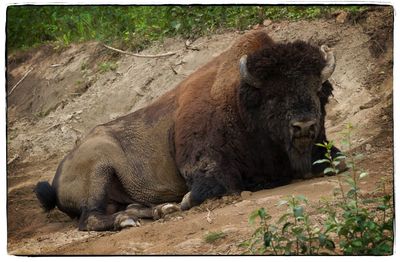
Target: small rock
(368, 147)
(246, 194)
(177, 218)
(267, 22)
(342, 17)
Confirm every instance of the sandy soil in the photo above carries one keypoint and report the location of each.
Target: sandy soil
(70, 90)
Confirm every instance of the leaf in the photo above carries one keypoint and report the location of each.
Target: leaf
(356, 243)
(283, 218)
(286, 226)
(321, 161)
(267, 239)
(386, 198)
(253, 216)
(351, 193)
(329, 170)
(382, 207)
(316, 230)
(322, 239)
(329, 244)
(302, 198)
(298, 211)
(297, 230)
(340, 157)
(261, 213)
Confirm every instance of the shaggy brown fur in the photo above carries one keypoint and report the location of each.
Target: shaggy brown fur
(213, 134)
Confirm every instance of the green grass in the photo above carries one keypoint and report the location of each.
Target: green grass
(107, 66)
(212, 237)
(135, 27)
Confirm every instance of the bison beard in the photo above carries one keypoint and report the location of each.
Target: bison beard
(300, 161)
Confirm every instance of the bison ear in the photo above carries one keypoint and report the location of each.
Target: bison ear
(329, 57)
(245, 75)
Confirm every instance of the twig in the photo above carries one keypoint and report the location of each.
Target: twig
(208, 217)
(56, 65)
(13, 159)
(139, 55)
(173, 70)
(19, 82)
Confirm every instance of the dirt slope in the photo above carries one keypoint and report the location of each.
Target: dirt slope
(72, 89)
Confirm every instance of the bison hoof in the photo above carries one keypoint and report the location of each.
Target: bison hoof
(187, 201)
(129, 223)
(124, 220)
(164, 209)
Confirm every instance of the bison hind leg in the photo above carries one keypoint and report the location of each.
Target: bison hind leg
(130, 217)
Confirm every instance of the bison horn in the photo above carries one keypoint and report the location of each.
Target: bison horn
(245, 75)
(329, 57)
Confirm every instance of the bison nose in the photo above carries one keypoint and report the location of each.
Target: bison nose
(303, 128)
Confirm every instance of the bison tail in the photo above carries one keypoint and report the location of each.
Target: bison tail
(46, 195)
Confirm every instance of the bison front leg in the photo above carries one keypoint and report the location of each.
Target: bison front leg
(215, 180)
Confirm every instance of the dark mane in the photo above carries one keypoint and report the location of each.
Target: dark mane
(287, 60)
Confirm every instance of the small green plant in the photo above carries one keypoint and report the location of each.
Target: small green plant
(211, 237)
(107, 66)
(84, 66)
(293, 234)
(354, 225)
(361, 230)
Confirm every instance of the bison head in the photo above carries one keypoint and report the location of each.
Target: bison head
(281, 91)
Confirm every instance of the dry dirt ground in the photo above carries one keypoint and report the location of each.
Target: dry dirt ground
(71, 89)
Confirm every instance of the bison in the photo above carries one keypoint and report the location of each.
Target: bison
(247, 120)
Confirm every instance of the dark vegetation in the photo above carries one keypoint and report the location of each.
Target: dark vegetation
(135, 27)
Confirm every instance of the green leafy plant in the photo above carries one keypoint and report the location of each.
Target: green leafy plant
(293, 233)
(354, 224)
(361, 230)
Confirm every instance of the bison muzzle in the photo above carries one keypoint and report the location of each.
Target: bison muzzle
(247, 120)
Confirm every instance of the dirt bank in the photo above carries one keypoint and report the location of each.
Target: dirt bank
(70, 90)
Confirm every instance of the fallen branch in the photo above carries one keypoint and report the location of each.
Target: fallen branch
(19, 82)
(13, 159)
(139, 55)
